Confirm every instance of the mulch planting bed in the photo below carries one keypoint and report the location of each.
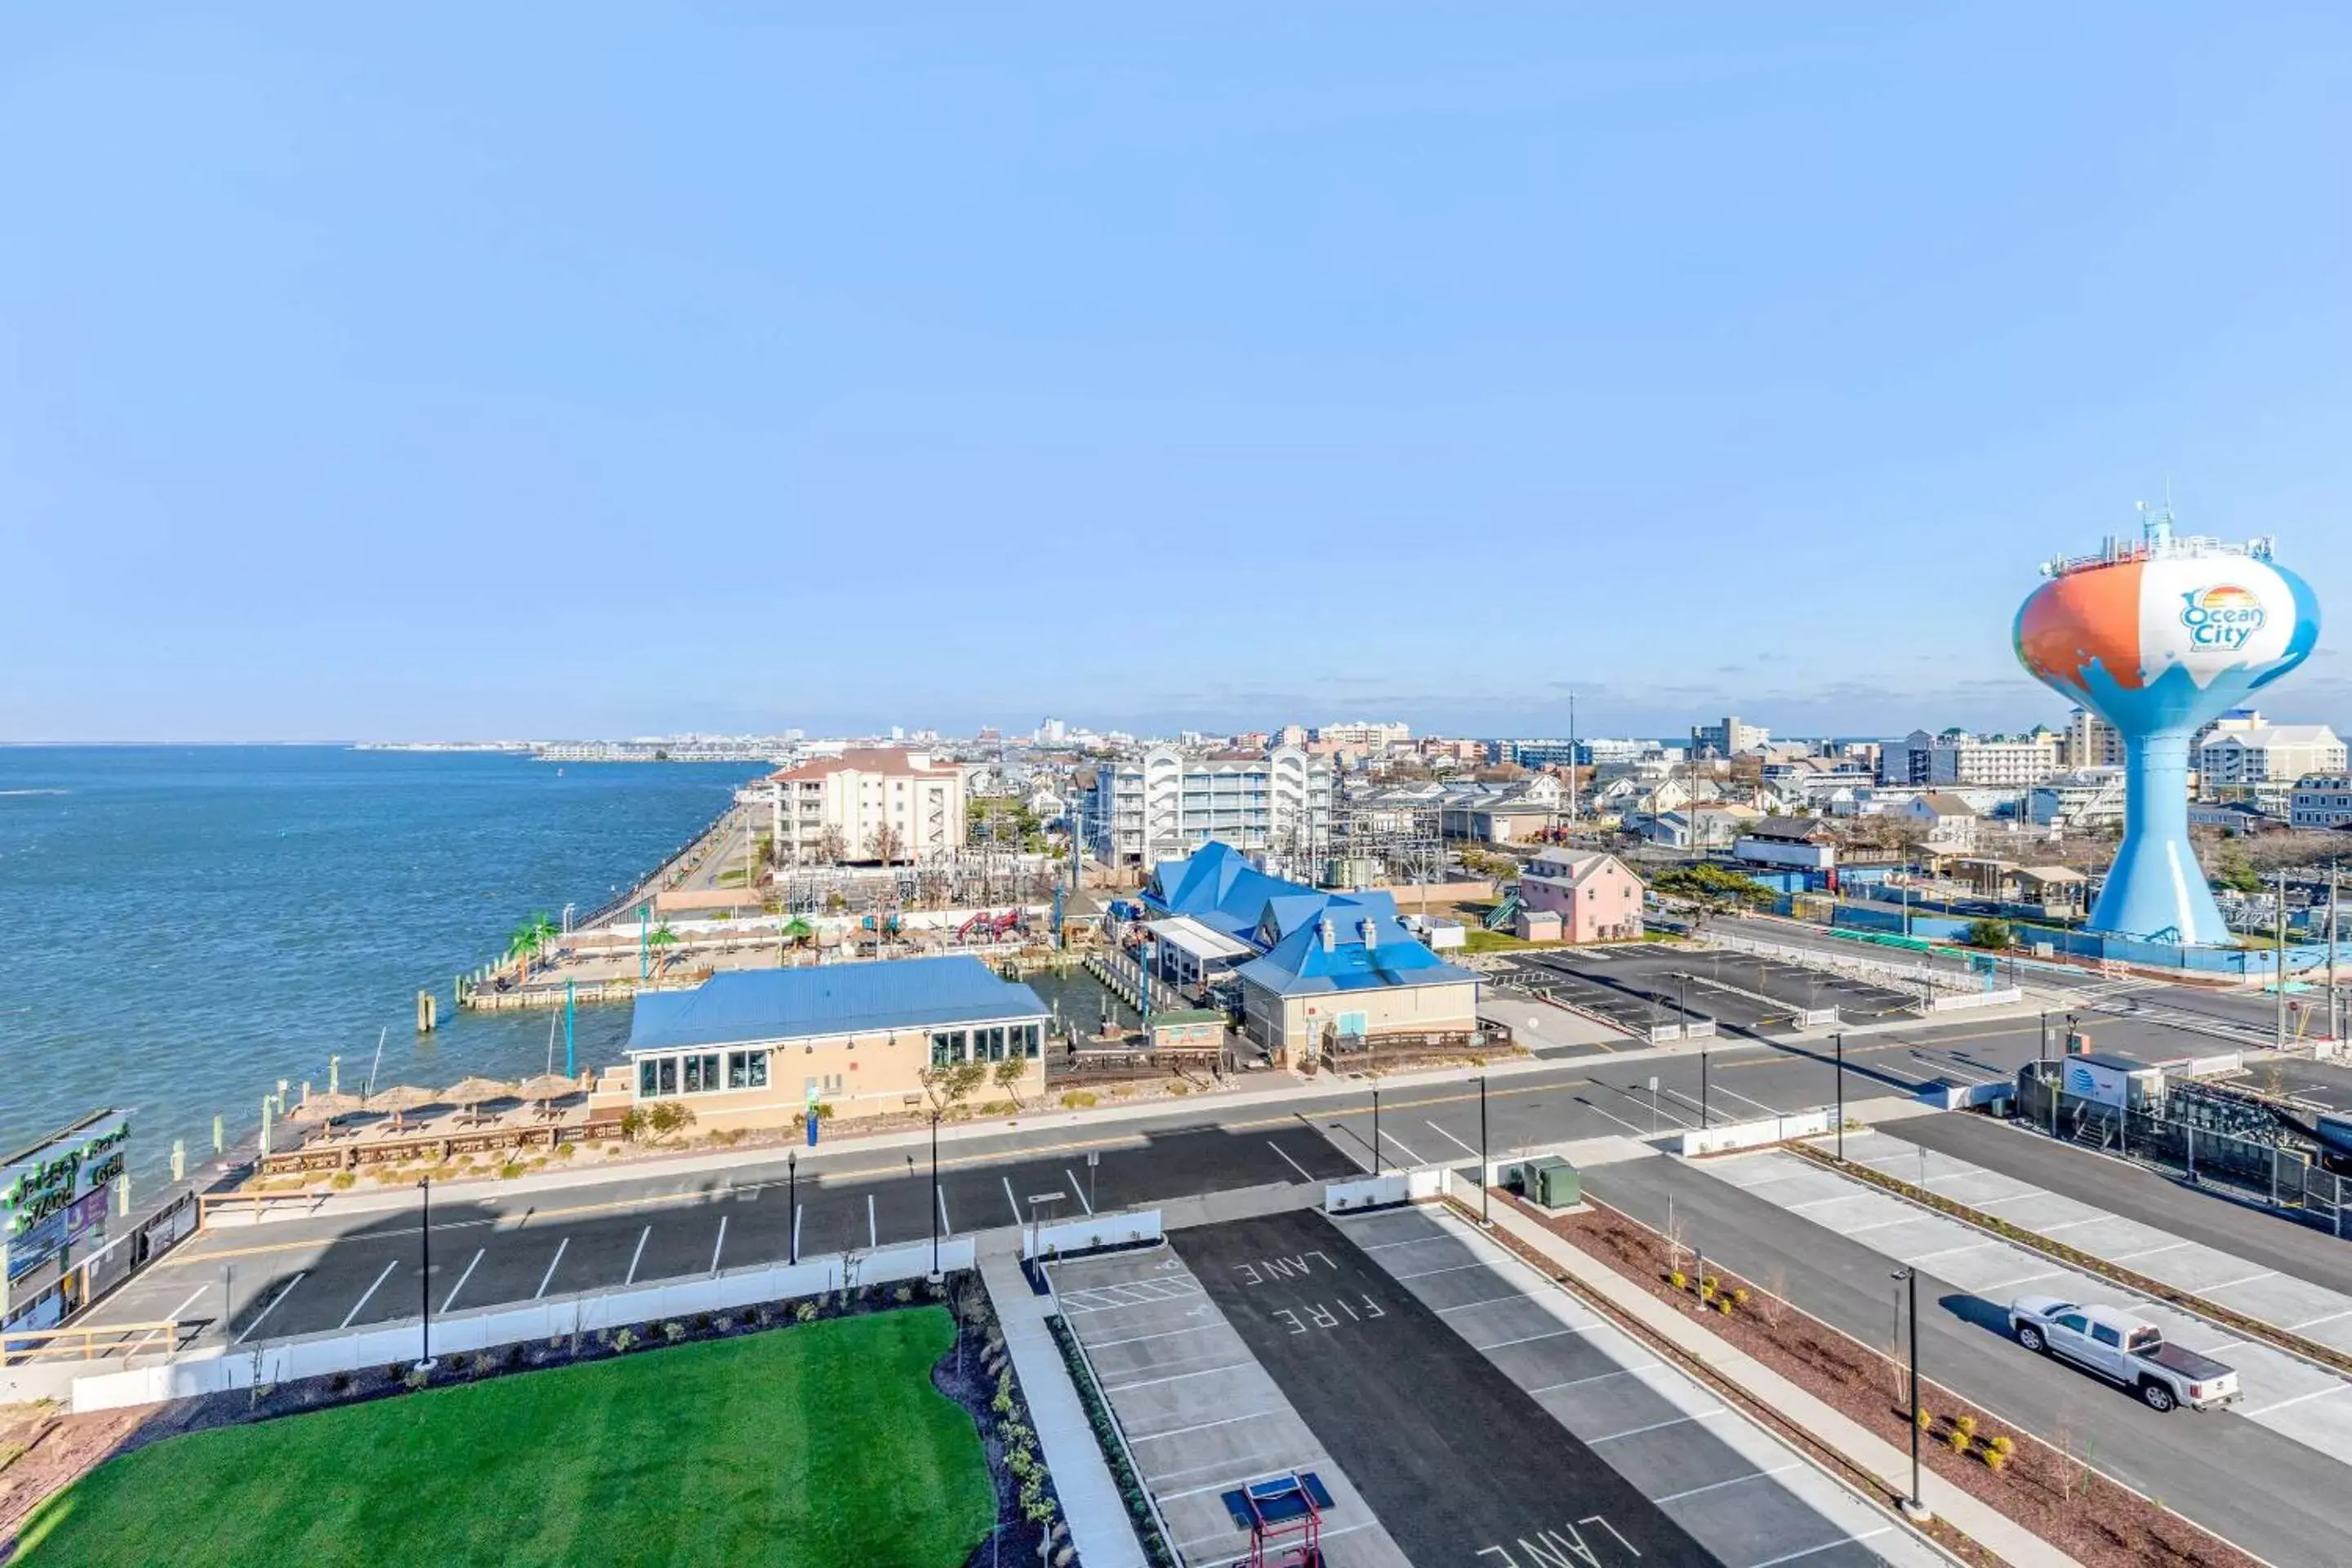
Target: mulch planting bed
(2094, 1520)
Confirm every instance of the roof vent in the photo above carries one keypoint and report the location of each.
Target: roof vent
(1369, 931)
(1330, 937)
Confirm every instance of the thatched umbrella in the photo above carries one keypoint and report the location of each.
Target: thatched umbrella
(546, 1087)
(472, 1091)
(329, 1107)
(401, 1098)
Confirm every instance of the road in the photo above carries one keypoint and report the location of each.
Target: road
(2278, 1498)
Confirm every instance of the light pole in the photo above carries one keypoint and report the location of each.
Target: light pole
(935, 1197)
(1484, 1168)
(1914, 1508)
(1379, 1167)
(792, 1204)
(1841, 1094)
(424, 1273)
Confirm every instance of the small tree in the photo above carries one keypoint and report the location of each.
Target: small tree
(950, 1086)
(1992, 934)
(831, 845)
(887, 844)
(531, 939)
(1007, 1076)
(661, 941)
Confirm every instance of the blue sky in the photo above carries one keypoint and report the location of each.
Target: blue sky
(448, 370)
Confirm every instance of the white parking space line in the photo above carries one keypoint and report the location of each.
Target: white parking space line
(1198, 1426)
(265, 1312)
(1770, 1109)
(2329, 1317)
(1952, 1252)
(1449, 1137)
(1449, 1268)
(1389, 1137)
(2150, 1251)
(1077, 1189)
(1530, 1339)
(631, 1277)
(1010, 1201)
(1825, 1546)
(1653, 1426)
(548, 1277)
(171, 1317)
(366, 1293)
(1598, 1377)
(718, 1244)
(2025, 1280)
(1175, 1377)
(945, 1229)
(2298, 1399)
(1288, 1161)
(469, 1274)
(2248, 1279)
(1718, 1485)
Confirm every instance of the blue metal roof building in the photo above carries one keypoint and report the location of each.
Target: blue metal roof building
(827, 1001)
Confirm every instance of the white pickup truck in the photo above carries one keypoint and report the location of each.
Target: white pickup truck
(2124, 1350)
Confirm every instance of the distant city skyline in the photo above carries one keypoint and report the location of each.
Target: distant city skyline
(454, 375)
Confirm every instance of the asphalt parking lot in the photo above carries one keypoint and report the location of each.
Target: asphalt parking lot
(1199, 1415)
(1753, 995)
(1483, 1473)
(1738, 1492)
(293, 1277)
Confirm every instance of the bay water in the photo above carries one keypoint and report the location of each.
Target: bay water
(181, 927)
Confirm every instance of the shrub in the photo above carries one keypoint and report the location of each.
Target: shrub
(701, 1321)
(673, 1330)
(627, 1340)
(634, 1122)
(902, 1295)
(416, 1377)
(2004, 1445)
(667, 1117)
(1966, 1426)
(1180, 1089)
(1706, 1288)
(1679, 1281)
(485, 1363)
(1957, 1440)
(1080, 1099)
(1740, 1295)
(511, 1170)
(805, 1312)
(722, 1322)
(1925, 1417)
(565, 1150)
(340, 1384)
(341, 1180)
(1996, 1460)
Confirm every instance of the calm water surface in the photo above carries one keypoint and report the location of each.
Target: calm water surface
(186, 926)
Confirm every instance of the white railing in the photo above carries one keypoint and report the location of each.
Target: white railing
(1853, 967)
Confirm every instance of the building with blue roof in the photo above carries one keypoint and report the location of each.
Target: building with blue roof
(1332, 971)
(756, 1049)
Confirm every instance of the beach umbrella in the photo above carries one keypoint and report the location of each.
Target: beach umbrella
(401, 1098)
(472, 1091)
(329, 1107)
(548, 1086)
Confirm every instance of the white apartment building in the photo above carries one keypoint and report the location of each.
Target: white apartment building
(1957, 758)
(2321, 800)
(1364, 735)
(2240, 759)
(1730, 738)
(2089, 741)
(1164, 804)
(870, 803)
(2083, 797)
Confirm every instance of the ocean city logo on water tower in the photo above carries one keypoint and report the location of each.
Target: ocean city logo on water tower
(2222, 617)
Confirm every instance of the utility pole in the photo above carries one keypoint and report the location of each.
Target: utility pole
(793, 1205)
(1484, 1168)
(1378, 1167)
(935, 1197)
(424, 1273)
(2278, 969)
(2334, 1032)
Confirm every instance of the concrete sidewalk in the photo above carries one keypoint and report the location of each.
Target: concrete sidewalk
(1835, 1431)
(1099, 1527)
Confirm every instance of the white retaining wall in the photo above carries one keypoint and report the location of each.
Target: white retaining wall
(1959, 1000)
(462, 1333)
(1755, 1134)
(1372, 1191)
(1077, 1235)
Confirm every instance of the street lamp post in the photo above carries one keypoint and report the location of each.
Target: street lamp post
(1379, 1167)
(792, 1204)
(1484, 1168)
(424, 1273)
(1913, 1506)
(935, 1197)
(1841, 1094)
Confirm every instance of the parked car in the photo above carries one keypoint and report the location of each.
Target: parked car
(2124, 1350)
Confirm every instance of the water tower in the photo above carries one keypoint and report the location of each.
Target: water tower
(2159, 635)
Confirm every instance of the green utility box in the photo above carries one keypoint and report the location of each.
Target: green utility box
(1553, 1184)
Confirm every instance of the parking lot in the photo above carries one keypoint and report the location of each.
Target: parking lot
(1640, 989)
(1199, 1415)
(1459, 1461)
(1730, 1485)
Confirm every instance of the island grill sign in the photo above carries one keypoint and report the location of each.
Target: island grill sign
(51, 1177)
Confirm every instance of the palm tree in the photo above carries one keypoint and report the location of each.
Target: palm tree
(662, 937)
(531, 939)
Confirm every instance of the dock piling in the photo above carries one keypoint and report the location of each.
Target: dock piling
(219, 1143)
(265, 1123)
(334, 1075)
(179, 1159)
(427, 1012)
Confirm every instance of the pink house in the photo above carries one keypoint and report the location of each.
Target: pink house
(1593, 894)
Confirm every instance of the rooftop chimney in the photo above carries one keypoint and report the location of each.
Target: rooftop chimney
(1329, 936)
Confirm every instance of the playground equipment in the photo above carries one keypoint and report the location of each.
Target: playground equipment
(983, 926)
(1284, 1515)
(2158, 636)
(1505, 913)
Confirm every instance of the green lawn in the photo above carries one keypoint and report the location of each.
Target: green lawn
(817, 1444)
